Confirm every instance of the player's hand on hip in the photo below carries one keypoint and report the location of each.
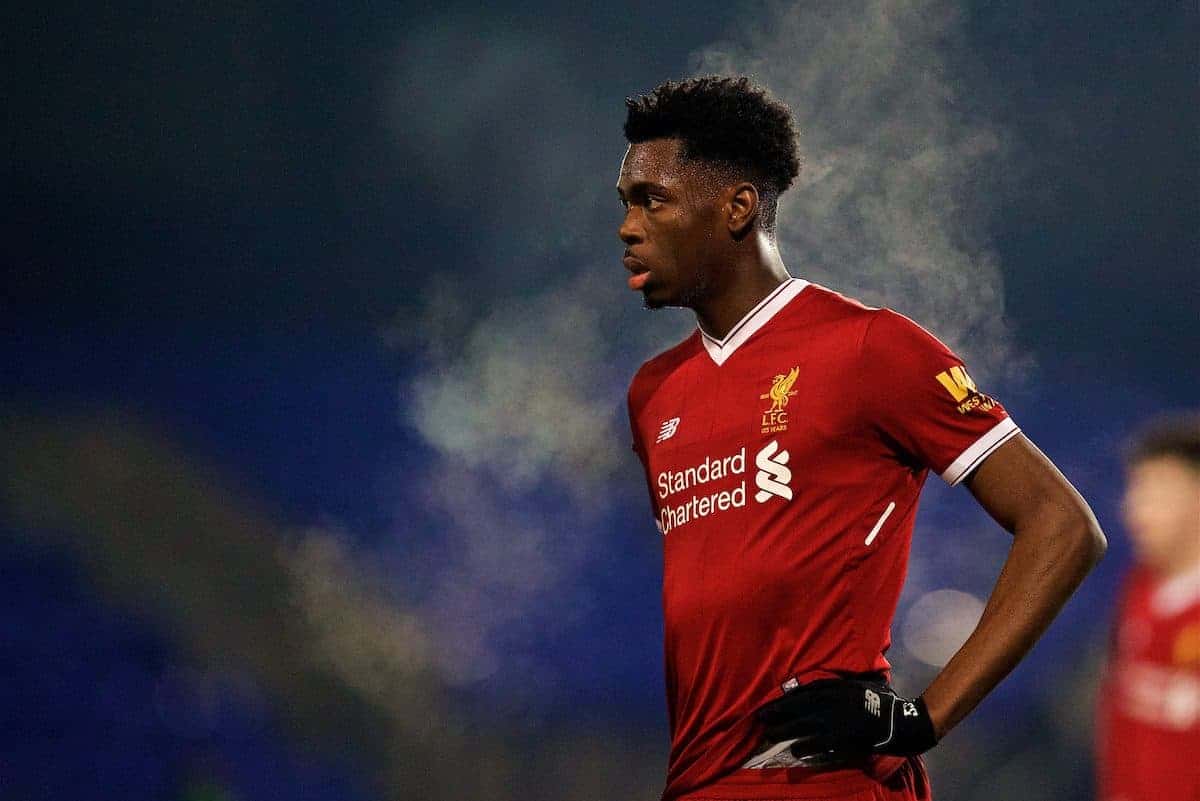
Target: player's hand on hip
(848, 716)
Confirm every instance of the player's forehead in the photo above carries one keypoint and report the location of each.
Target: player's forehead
(654, 163)
(1164, 469)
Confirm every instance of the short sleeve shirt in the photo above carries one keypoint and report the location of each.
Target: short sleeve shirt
(784, 464)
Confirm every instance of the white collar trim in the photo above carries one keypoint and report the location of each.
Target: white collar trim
(756, 318)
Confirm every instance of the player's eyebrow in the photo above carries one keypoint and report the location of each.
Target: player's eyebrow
(641, 186)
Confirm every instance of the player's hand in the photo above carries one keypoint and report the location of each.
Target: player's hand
(848, 717)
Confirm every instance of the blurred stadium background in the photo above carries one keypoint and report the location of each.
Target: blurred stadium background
(315, 474)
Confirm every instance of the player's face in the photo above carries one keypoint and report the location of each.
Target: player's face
(670, 225)
(1161, 509)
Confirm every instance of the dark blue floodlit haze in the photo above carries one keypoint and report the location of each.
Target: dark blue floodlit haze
(316, 475)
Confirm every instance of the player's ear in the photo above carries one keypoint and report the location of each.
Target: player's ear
(741, 208)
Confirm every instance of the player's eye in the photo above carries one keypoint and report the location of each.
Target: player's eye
(651, 202)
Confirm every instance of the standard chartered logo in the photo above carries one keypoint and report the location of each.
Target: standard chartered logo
(773, 474)
(680, 503)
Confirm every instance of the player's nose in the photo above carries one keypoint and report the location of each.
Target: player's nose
(629, 233)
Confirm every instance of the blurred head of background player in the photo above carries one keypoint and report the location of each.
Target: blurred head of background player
(707, 161)
(1161, 505)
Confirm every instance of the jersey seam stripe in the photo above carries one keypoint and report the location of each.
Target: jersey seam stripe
(891, 507)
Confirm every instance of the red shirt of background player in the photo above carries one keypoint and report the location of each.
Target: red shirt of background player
(1149, 705)
(784, 464)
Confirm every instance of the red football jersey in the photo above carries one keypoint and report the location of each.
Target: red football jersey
(1148, 721)
(784, 464)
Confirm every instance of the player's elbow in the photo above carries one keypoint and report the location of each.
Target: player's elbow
(1068, 531)
(1086, 541)
(1099, 542)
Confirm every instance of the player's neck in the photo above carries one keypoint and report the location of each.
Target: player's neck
(753, 276)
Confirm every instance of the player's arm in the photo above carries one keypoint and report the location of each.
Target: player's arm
(1056, 541)
(928, 410)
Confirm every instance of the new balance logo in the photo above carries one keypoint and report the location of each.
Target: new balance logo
(668, 429)
(773, 476)
(871, 702)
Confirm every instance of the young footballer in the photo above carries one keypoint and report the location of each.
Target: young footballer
(785, 443)
(1148, 709)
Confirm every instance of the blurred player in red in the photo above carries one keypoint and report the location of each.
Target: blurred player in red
(1148, 714)
(785, 443)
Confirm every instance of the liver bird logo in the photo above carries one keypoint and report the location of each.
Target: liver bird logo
(781, 390)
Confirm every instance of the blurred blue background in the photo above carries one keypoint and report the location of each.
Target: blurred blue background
(316, 480)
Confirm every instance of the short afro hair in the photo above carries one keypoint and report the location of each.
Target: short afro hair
(1174, 436)
(729, 122)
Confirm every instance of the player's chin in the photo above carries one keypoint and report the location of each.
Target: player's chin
(652, 302)
(658, 296)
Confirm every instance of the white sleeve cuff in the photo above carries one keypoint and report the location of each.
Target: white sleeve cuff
(974, 455)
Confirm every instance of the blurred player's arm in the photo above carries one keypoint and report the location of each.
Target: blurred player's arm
(1056, 542)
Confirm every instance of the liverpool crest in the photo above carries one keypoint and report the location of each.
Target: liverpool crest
(775, 417)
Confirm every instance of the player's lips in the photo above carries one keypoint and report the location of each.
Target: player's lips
(641, 273)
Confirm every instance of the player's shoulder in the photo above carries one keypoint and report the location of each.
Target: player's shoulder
(826, 302)
(889, 328)
(655, 370)
(874, 333)
(830, 306)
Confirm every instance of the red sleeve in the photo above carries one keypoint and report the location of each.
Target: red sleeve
(639, 449)
(919, 398)
(636, 442)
